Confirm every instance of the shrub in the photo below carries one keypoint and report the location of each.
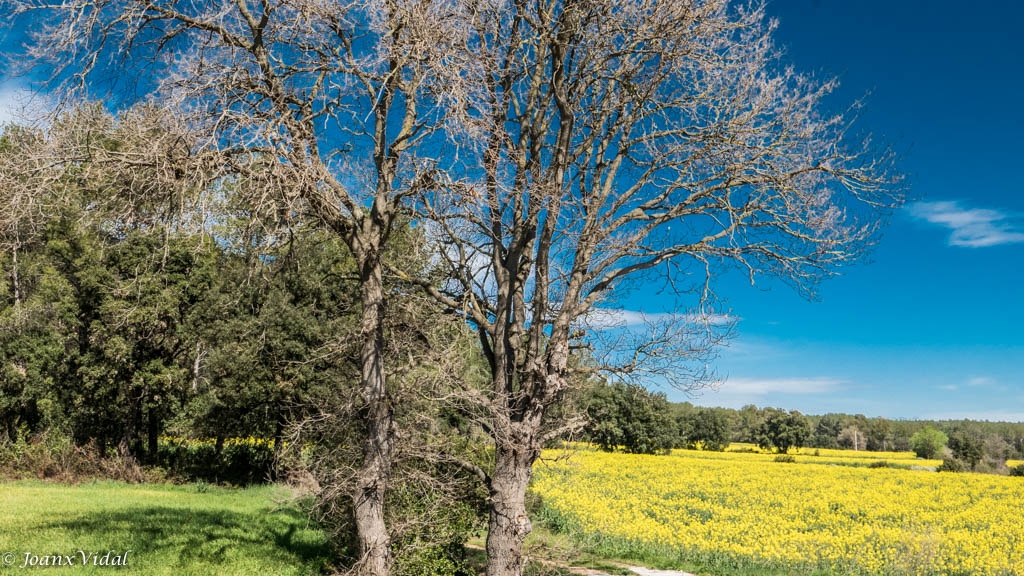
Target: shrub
(240, 460)
(928, 442)
(53, 455)
(1017, 470)
(879, 464)
(952, 465)
(967, 448)
(787, 458)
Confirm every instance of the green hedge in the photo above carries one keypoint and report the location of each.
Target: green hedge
(240, 461)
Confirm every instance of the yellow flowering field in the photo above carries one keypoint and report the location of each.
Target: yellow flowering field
(749, 452)
(747, 509)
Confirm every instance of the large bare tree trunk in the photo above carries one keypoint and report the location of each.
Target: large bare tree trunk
(508, 524)
(372, 477)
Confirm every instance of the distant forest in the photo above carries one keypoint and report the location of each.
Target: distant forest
(637, 420)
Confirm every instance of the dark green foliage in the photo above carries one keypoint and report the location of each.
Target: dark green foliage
(782, 430)
(879, 464)
(953, 465)
(786, 458)
(879, 434)
(1017, 470)
(967, 448)
(436, 548)
(826, 431)
(116, 338)
(708, 429)
(238, 461)
(132, 371)
(629, 417)
(270, 335)
(744, 423)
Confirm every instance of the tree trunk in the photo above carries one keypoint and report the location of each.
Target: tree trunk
(278, 436)
(509, 524)
(15, 282)
(372, 478)
(152, 435)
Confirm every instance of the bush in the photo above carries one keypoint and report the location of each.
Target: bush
(1017, 470)
(787, 458)
(240, 460)
(952, 465)
(879, 464)
(928, 442)
(51, 455)
(433, 544)
(967, 448)
(782, 431)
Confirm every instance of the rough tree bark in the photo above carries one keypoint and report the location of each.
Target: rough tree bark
(508, 522)
(372, 477)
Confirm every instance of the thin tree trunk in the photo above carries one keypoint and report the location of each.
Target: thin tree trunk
(278, 434)
(152, 435)
(371, 480)
(508, 524)
(14, 276)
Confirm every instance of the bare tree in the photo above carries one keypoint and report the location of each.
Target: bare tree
(316, 107)
(137, 171)
(23, 207)
(607, 142)
(596, 143)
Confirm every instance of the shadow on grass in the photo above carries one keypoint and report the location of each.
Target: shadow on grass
(185, 536)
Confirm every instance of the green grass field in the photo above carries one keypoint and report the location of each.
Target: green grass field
(174, 530)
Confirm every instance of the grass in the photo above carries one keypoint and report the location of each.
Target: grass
(192, 530)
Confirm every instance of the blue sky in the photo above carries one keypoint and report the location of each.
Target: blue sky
(930, 327)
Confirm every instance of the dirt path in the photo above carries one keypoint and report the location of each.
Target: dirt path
(649, 572)
(591, 572)
(582, 571)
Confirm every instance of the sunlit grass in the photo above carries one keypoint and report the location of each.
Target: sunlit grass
(170, 530)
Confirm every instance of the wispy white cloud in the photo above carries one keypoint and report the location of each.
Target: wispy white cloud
(970, 227)
(979, 381)
(8, 104)
(815, 395)
(609, 318)
(20, 104)
(766, 386)
(947, 387)
(990, 415)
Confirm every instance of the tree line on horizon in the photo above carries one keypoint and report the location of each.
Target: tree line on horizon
(638, 420)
